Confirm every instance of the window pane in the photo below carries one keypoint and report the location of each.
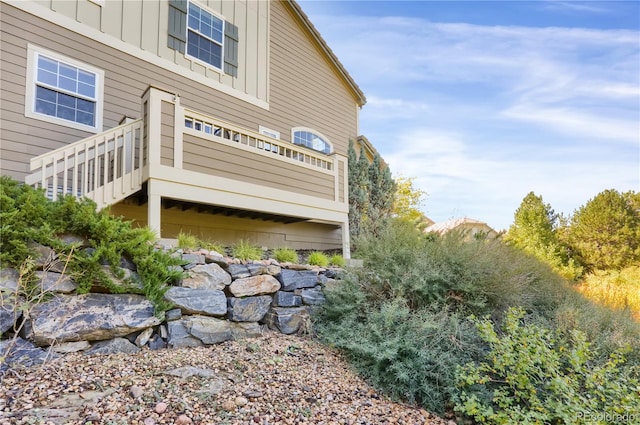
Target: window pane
(67, 84)
(48, 64)
(47, 108)
(69, 71)
(85, 118)
(47, 77)
(87, 77)
(86, 90)
(46, 94)
(66, 113)
(66, 100)
(85, 105)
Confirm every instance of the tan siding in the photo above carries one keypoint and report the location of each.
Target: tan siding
(216, 159)
(297, 76)
(228, 230)
(166, 134)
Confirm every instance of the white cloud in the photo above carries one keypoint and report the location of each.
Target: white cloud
(481, 115)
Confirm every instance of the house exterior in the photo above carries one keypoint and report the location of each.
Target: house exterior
(226, 119)
(469, 227)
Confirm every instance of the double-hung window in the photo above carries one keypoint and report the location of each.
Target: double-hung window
(63, 91)
(205, 35)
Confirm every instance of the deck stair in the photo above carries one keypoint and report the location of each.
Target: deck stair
(106, 167)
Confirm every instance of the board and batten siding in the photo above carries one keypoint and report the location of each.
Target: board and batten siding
(144, 24)
(304, 88)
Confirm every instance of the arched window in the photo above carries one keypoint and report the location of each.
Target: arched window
(311, 139)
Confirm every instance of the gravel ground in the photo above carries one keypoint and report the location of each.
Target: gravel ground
(274, 379)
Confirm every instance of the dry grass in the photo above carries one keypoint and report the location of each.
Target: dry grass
(619, 290)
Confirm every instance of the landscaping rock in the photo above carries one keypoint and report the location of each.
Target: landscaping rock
(287, 320)
(9, 279)
(90, 317)
(71, 347)
(209, 330)
(251, 309)
(19, 352)
(144, 337)
(298, 279)
(286, 299)
(255, 285)
(243, 330)
(55, 282)
(112, 346)
(313, 296)
(10, 310)
(207, 276)
(179, 335)
(198, 301)
(239, 271)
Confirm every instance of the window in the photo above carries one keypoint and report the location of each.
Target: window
(205, 33)
(205, 36)
(63, 91)
(311, 139)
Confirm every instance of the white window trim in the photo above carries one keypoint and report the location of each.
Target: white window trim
(30, 98)
(186, 47)
(311, 130)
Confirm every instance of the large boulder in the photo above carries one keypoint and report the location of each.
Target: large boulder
(255, 285)
(179, 335)
(209, 302)
(207, 276)
(298, 279)
(250, 309)
(90, 317)
(10, 310)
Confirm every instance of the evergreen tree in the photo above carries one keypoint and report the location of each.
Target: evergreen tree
(534, 230)
(605, 232)
(358, 190)
(381, 194)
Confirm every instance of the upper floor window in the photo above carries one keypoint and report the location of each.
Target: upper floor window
(311, 139)
(63, 91)
(204, 36)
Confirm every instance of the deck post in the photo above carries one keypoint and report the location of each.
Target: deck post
(154, 207)
(346, 244)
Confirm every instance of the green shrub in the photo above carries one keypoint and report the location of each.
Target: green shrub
(188, 241)
(29, 217)
(533, 375)
(318, 258)
(213, 246)
(285, 255)
(409, 355)
(244, 250)
(337, 260)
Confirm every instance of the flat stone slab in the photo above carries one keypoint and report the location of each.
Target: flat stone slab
(207, 276)
(210, 302)
(90, 317)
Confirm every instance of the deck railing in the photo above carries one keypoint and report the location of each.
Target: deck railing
(212, 127)
(106, 167)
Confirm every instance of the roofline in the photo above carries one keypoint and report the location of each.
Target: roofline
(295, 7)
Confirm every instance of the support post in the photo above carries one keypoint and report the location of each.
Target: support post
(346, 243)
(154, 207)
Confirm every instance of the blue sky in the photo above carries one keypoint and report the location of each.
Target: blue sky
(482, 102)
